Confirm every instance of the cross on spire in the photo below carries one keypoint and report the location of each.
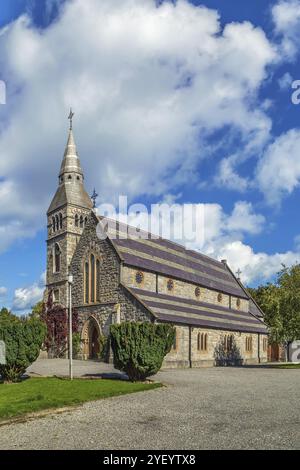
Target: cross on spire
(238, 273)
(94, 197)
(71, 115)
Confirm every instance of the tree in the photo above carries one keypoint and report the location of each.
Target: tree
(37, 310)
(280, 303)
(23, 338)
(139, 348)
(56, 319)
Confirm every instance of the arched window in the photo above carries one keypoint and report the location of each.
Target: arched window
(175, 342)
(60, 221)
(92, 278)
(53, 224)
(98, 280)
(202, 342)
(57, 254)
(85, 221)
(57, 222)
(76, 220)
(81, 221)
(87, 282)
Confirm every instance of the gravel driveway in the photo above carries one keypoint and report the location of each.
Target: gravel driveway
(215, 408)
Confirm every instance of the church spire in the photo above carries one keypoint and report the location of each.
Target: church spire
(71, 189)
(71, 162)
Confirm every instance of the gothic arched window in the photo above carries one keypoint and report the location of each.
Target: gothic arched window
(57, 254)
(57, 222)
(98, 280)
(60, 221)
(81, 221)
(76, 220)
(92, 278)
(87, 282)
(53, 224)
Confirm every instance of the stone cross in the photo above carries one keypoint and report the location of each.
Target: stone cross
(71, 115)
(238, 273)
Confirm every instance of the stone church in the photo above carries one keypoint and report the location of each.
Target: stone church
(125, 278)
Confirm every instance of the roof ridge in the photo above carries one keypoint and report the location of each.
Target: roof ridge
(158, 237)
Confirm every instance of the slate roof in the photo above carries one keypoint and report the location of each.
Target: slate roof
(170, 259)
(169, 308)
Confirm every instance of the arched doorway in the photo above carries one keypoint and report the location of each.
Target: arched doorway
(90, 338)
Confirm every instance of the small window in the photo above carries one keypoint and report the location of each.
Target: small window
(238, 303)
(265, 344)
(197, 292)
(56, 295)
(60, 221)
(249, 344)
(175, 343)
(228, 342)
(69, 177)
(62, 179)
(78, 178)
(220, 297)
(76, 221)
(81, 221)
(56, 222)
(139, 277)
(56, 258)
(170, 285)
(53, 224)
(202, 342)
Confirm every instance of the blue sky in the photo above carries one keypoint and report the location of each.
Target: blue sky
(184, 101)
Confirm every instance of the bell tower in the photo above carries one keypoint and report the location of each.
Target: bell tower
(66, 216)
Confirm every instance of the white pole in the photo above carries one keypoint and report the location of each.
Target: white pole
(70, 281)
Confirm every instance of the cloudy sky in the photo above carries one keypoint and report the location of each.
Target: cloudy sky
(184, 101)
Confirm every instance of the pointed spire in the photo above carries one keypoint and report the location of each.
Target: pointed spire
(71, 162)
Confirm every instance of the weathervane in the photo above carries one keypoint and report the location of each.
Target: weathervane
(238, 273)
(94, 198)
(71, 115)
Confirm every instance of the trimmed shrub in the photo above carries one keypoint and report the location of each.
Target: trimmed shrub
(139, 348)
(23, 340)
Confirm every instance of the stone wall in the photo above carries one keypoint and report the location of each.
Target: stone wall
(156, 282)
(111, 293)
(187, 354)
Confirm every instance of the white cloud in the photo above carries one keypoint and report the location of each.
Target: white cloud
(223, 238)
(278, 172)
(285, 81)
(228, 177)
(27, 297)
(149, 86)
(3, 291)
(286, 17)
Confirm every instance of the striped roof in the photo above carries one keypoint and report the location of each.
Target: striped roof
(169, 308)
(159, 255)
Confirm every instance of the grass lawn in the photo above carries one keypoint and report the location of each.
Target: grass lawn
(36, 394)
(286, 366)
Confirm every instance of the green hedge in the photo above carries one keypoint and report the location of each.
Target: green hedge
(139, 348)
(23, 340)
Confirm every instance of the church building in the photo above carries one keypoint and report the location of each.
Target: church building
(128, 278)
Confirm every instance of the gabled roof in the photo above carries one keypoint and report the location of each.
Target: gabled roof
(169, 308)
(171, 259)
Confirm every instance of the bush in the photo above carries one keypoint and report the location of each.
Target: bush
(76, 344)
(103, 348)
(23, 340)
(139, 348)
